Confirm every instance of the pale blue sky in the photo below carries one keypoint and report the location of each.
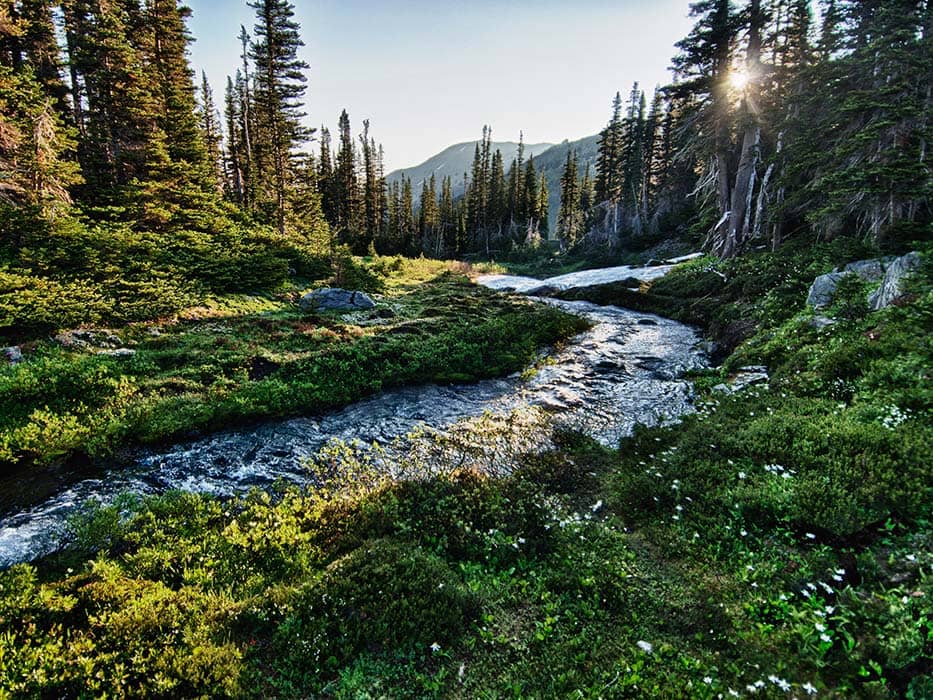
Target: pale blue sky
(429, 74)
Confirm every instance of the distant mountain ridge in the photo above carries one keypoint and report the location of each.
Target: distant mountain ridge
(458, 159)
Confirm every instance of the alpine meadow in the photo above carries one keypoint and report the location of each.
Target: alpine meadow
(641, 413)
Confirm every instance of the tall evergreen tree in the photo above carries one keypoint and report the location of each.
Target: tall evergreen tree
(570, 217)
(702, 70)
(346, 189)
(447, 218)
(279, 97)
(609, 157)
(211, 134)
(234, 152)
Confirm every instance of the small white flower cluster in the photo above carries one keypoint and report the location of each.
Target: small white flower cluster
(780, 471)
(894, 417)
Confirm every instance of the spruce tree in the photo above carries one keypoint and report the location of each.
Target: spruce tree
(570, 218)
(609, 157)
(447, 218)
(279, 97)
(211, 135)
(346, 189)
(702, 82)
(234, 151)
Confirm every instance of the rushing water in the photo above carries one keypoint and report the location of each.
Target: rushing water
(625, 370)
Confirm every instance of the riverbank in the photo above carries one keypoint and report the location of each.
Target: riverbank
(626, 369)
(775, 544)
(89, 394)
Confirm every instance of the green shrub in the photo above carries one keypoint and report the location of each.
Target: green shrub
(385, 596)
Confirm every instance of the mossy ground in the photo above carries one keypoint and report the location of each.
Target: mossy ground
(776, 544)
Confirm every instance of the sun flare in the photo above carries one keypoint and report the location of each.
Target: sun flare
(738, 79)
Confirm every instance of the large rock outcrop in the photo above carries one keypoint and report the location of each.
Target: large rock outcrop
(335, 299)
(892, 287)
(891, 272)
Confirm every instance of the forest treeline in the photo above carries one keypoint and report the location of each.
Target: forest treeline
(126, 193)
(775, 124)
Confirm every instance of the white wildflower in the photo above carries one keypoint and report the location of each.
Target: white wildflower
(435, 647)
(646, 647)
(707, 680)
(809, 688)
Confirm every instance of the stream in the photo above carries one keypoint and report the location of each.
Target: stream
(627, 369)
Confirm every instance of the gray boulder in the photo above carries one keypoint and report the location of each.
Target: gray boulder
(892, 286)
(820, 322)
(13, 354)
(824, 288)
(335, 299)
(868, 270)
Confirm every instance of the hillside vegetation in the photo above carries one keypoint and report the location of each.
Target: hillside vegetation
(777, 543)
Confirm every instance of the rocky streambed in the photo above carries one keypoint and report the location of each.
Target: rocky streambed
(627, 369)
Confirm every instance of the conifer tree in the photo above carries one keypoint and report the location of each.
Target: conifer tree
(447, 218)
(116, 108)
(874, 171)
(209, 122)
(39, 49)
(408, 234)
(702, 71)
(307, 222)
(428, 218)
(164, 40)
(530, 197)
(279, 97)
(234, 153)
(609, 157)
(570, 217)
(346, 189)
(543, 207)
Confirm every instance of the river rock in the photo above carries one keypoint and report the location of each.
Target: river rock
(13, 354)
(335, 299)
(545, 290)
(892, 286)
